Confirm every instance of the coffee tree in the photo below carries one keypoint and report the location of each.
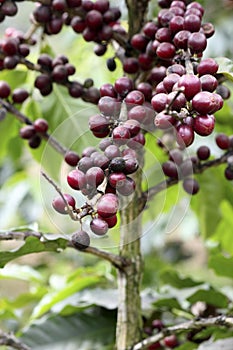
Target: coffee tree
(128, 120)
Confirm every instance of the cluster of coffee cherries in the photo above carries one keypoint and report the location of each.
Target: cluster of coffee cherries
(13, 49)
(95, 20)
(177, 29)
(169, 341)
(103, 175)
(8, 8)
(18, 95)
(34, 132)
(58, 70)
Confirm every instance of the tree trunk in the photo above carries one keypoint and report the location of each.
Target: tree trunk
(129, 319)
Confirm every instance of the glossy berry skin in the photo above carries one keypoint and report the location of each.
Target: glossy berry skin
(4, 89)
(185, 135)
(107, 205)
(111, 221)
(27, 132)
(95, 176)
(166, 50)
(116, 180)
(76, 179)
(123, 86)
(72, 158)
(59, 204)
(228, 173)
(127, 188)
(170, 169)
(207, 66)
(222, 141)
(206, 102)
(19, 95)
(204, 124)
(203, 152)
(99, 226)
(135, 97)
(120, 135)
(191, 85)
(80, 240)
(191, 186)
(41, 125)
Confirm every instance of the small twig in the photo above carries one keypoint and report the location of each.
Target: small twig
(199, 324)
(9, 339)
(116, 260)
(70, 212)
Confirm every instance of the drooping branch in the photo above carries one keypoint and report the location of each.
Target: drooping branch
(197, 324)
(24, 119)
(9, 339)
(197, 169)
(116, 260)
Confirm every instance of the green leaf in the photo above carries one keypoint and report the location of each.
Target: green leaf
(225, 67)
(81, 331)
(172, 278)
(106, 298)
(167, 303)
(187, 346)
(223, 234)
(53, 298)
(22, 272)
(212, 193)
(33, 245)
(222, 265)
(15, 78)
(209, 296)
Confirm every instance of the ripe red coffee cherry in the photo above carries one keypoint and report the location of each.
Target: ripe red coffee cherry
(171, 341)
(59, 204)
(191, 85)
(76, 179)
(204, 124)
(191, 186)
(107, 205)
(185, 135)
(5, 89)
(99, 226)
(72, 158)
(41, 125)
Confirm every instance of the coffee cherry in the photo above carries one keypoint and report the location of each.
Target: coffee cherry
(204, 124)
(157, 324)
(123, 86)
(207, 66)
(99, 226)
(72, 158)
(117, 165)
(203, 152)
(191, 186)
(19, 95)
(59, 204)
(191, 85)
(34, 141)
(111, 221)
(5, 89)
(80, 240)
(185, 135)
(170, 169)
(171, 341)
(95, 176)
(135, 97)
(229, 173)
(107, 205)
(41, 125)
(127, 188)
(176, 156)
(222, 141)
(76, 179)
(27, 132)
(120, 135)
(111, 64)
